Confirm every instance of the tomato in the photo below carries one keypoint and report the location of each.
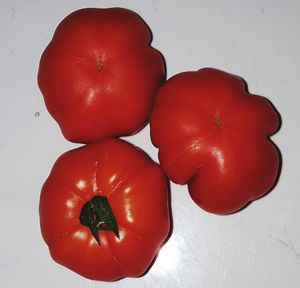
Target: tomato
(213, 135)
(99, 74)
(104, 210)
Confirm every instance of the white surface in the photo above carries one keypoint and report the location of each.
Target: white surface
(257, 247)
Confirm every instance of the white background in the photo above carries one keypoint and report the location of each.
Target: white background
(257, 247)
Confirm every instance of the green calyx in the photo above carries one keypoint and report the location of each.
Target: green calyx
(98, 215)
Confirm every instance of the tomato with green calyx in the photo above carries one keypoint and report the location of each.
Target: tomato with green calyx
(104, 210)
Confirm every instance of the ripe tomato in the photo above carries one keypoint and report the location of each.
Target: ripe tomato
(104, 210)
(213, 135)
(99, 74)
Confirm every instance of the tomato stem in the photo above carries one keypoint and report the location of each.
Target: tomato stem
(100, 63)
(97, 214)
(218, 121)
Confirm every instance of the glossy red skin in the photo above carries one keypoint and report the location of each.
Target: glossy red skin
(99, 74)
(137, 192)
(213, 135)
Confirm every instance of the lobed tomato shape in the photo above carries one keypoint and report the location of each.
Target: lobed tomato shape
(213, 135)
(99, 74)
(104, 210)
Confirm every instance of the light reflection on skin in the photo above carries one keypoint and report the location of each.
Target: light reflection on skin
(219, 156)
(81, 235)
(128, 207)
(70, 203)
(196, 146)
(93, 241)
(112, 178)
(121, 236)
(94, 180)
(81, 184)
(90, 96)
(127, 190)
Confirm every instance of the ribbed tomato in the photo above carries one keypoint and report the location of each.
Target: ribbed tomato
(99, 74)
(104, 210)
(214, 135)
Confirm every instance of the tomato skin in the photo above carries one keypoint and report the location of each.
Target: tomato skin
(214, 136)
(99, 74)
(137, 191)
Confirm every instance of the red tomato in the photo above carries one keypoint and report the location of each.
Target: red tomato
(104, 210)
(99, 74)
(213, 135)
